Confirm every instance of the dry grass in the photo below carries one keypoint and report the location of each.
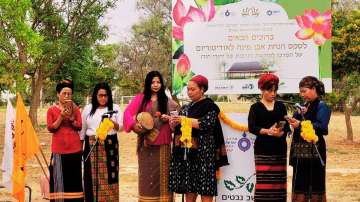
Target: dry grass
(343, 166)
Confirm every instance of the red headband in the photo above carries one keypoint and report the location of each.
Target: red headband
(268, 77)
(201, 81)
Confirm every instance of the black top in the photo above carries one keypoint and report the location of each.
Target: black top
(319, 114)
(206, 111)
(260, 117)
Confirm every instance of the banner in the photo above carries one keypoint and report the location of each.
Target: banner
(237, 180)
(233, 42)
(7, 163)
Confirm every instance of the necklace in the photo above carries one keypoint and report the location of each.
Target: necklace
(268, 105)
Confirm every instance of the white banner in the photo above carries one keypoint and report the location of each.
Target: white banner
(7, 163)
(237, 181)
(244, 41)
(234, 43)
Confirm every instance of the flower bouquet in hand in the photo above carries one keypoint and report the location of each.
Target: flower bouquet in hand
(309, 135)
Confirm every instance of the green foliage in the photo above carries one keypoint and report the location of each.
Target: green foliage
(50, 41)
(346, 42)
(149, 47)
(224, 2)
(346, 57)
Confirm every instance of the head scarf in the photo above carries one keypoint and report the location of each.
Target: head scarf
(268, 77)
(201, 81)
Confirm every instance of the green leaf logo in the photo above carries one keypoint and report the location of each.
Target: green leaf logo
(250, 187)
(229, 185)
(240, 180)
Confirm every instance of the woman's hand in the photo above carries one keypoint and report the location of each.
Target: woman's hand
(273, 131)
(63, 112)
(137, 128)
(165, 117)
(174, 120)
(293, 122)
(277, 131)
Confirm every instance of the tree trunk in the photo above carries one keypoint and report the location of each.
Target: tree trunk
(36, 85)
(349, 131)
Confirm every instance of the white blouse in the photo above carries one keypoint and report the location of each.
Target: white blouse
(91, 123)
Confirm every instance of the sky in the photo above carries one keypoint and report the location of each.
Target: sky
(119, 20)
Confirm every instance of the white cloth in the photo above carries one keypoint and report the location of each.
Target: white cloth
(7, 163)
(91, 123)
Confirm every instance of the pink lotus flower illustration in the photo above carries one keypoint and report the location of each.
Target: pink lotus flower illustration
(183, 65)
(181, 16)
(314, 25)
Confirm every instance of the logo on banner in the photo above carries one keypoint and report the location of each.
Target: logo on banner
(239, 183)
(271, 12)
(244, 143)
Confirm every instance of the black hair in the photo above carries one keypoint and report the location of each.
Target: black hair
(270, 85)
(95, 104)
(313, 82)
(161, 96)
(64, 84)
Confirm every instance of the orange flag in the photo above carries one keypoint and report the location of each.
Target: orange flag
(26, 145)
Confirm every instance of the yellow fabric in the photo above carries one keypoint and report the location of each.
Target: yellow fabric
(26, 145)
(186, 128)
(105, 126)
(232, 123)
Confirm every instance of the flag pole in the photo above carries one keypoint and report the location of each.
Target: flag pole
(42, 168)
(42, 154)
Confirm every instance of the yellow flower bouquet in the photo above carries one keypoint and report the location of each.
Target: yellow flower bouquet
(186, 128)
(105, 126)
(308, 132)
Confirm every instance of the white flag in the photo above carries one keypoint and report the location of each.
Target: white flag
(7, 164)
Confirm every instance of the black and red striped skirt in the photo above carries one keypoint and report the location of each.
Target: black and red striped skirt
(271, 178)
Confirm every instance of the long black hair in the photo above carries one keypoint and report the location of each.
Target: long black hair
(95, 104)
(161, 96)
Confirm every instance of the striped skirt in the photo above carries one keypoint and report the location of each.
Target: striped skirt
(65, 178)
(270, 178)
(101, 170)
(154, 163)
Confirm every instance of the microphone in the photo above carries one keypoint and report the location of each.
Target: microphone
(298, 106)
(109, 113)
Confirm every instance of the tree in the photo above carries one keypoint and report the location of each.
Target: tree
(90, 67)
(39, 37)
(346, 61)
(149, 48)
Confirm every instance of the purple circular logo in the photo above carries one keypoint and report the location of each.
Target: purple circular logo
(244, 143)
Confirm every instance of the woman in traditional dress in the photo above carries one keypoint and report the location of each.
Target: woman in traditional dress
(101, 166)
(193, 170)
(308, 169)
(267, 121)
(64, 122)
(153, 146)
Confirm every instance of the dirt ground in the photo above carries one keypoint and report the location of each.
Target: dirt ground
(343, 165)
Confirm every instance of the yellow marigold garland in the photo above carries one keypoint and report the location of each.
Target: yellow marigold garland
(105, 126)
(232, 123)
(186, 128)
(308, 132)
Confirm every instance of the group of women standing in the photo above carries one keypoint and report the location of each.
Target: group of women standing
(268, 120)
(166, 163)
(70, 128)
(161, 171)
